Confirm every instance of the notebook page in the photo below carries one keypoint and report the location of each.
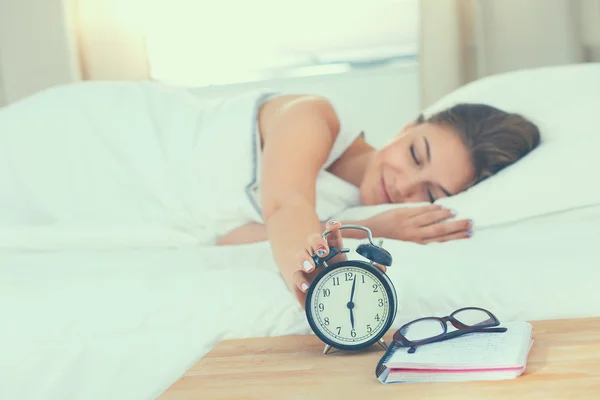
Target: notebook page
(507, 349)
(413, 376)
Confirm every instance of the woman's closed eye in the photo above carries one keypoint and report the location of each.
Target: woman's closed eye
(414, 154)
(431, 199)
(415, 157)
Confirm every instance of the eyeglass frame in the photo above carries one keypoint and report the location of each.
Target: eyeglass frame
(462, 329)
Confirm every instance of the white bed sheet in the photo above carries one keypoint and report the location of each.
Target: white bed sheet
(127, 323)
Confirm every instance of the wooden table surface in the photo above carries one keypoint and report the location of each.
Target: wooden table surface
(564, 363)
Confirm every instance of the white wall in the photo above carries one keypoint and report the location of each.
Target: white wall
(2, 97)
(385, 99)
(521, 34)
(36, 45)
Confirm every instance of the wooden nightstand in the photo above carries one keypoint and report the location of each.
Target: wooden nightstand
(564, 363)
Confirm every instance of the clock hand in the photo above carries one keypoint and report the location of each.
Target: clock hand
(350, 303)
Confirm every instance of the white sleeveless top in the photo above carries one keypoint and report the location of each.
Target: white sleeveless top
(236, 197)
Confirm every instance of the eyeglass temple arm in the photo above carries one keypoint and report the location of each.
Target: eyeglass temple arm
(458, 333)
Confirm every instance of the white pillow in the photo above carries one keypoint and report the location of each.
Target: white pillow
(535, 93)
(560, 175)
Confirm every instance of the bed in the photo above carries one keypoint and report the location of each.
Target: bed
(125, 322)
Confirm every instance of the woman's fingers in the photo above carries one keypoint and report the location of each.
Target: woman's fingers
(446, 238)
(412, 212)
(301, 281)
(431, 226)
(334, 239)
(305, 265)
(318, 245)
(444, 229)
(432, 216)
(304, 262)
(383, 268)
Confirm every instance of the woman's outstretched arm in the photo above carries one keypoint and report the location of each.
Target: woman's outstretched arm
(256, 232)
(298, 133)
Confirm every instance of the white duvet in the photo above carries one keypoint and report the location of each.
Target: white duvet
(127, 319)
(126, 324)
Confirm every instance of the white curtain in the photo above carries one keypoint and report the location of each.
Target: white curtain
(463, 40)
(37, 48)
(111, 39)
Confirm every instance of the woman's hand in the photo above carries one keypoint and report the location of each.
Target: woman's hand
(422, 225)
(300, 279)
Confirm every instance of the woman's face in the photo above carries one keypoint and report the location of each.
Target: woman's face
(424, 163)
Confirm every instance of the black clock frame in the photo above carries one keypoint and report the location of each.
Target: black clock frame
(387, 285)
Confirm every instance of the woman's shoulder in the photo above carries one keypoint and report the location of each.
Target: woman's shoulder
(341, 113)
(238, 119)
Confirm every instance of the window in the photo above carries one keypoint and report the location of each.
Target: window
(204, 42)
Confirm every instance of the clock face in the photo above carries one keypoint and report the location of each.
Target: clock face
(350, 305)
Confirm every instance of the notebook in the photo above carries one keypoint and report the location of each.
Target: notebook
(472, 357)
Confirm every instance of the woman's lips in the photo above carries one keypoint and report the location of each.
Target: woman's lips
(384, 192)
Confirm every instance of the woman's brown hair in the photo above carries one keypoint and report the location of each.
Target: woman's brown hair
(496, 139)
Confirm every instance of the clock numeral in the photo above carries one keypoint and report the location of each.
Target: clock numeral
(369, 329)
(321, 307)
(326, 320)
(349, 276)
(353, 333)
(377, 318)
(380, 302)
(339, 328)
(375, 288)
(326, 292)
(363, 279)
(336, 281)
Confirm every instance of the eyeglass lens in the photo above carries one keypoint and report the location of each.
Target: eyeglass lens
(425, 329)
(473, 317)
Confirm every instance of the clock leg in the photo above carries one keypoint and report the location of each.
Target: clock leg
(326, 349)
(382, 343)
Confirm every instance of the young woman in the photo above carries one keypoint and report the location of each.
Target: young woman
(429, 159)
(144, 163)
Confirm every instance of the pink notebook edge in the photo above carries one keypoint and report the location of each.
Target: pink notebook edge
(463, 369)
(454, 371)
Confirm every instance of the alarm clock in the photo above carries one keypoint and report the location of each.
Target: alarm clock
(351, 304)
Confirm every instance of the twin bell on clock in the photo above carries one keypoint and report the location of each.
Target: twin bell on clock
(351, 304)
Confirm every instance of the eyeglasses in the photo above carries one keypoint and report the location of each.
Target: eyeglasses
(435, 329)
